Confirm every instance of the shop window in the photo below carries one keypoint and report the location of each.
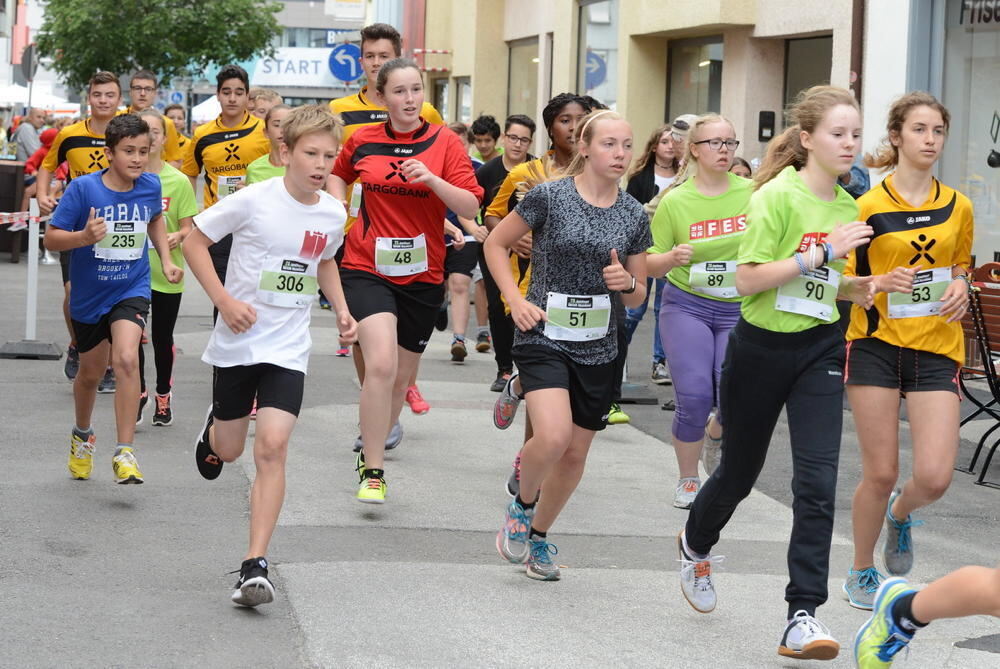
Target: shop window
(464, 107)
(522, 78)
(695, 85)
(441, 97)
(597, 64)
(808, 62)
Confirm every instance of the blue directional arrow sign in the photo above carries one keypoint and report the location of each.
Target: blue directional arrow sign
(596, 71)
(345, 62)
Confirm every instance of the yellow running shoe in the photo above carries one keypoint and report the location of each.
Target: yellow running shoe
(372, 489)
(81, 456)
(126, 468)
(880, 639)
(617, 417)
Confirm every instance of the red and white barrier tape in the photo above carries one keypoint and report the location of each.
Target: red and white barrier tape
(419, 51)
(19, 220)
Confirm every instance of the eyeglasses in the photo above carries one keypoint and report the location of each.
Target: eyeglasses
(715, 143)
(518, 140)
(143, 89)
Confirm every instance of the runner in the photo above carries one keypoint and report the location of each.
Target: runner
(223, 148)
(581, 224)
(519, 131)
(653, 172)
(394, 260)
(286, 232)
(787, 352)
(899, 610)
(697, 231)
(178, 115)
(741, 168)
(81, 145)
(261, 100)
(269, 165)
(104, 218)
(485, 132)
(143, 87)
(911, 343)
(165, 296)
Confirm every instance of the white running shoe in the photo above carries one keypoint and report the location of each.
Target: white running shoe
(687, 490)
(806, 638)
(696, 578)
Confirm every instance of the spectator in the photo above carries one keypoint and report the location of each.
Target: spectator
(25, 137)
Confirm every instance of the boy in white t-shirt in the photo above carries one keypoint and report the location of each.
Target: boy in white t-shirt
(285, 234)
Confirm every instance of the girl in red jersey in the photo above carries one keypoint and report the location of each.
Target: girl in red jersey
(393, 270)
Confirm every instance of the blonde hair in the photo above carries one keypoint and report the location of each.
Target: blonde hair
(887, 155)
(585, 134)
(308, 119)
(640, 162)
(805, 115)
(690, 169)
(152, 112)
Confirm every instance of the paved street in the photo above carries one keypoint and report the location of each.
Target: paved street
(98, 575)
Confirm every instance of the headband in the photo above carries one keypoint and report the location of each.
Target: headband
(584, 128)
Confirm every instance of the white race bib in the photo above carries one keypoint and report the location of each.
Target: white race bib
(715, 277)
(355, 204)
(287, 282)
(126, 240)
(226, 186)
(400, 256)
(925, 299)
(577, 317)
(813, 294)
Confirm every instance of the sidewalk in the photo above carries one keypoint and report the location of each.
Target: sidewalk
(98, 575)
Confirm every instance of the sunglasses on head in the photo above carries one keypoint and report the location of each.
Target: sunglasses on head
(682, 125)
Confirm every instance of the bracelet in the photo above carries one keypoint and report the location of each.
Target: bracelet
(812, 257)
(828, 247)
(801, 263)
(630, 290)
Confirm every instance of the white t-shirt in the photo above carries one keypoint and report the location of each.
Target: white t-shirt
(662, 182)
(277, 245)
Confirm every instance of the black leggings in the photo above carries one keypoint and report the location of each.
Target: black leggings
(163, 316)
(763, 372)
(501, 324)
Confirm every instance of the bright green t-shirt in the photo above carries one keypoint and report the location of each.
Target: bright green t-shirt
(262, 170)
(178, 203)
(712, 225)
(786, 217)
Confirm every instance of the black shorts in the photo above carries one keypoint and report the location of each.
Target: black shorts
(89, 335)
(415, 305)
(64, 257)
(461, 261)
(591, 387)
(234, 388)
(873, 362)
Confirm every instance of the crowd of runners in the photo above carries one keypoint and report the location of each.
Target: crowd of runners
(387, 214)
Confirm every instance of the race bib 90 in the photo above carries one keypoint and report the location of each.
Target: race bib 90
(813, 294)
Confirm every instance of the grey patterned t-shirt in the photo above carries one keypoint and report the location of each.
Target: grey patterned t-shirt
(571, 245)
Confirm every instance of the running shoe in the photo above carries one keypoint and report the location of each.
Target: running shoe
(499, 382)
(391, 441)
(506, 405)
(616, 416)
(696, 578)
(126, 468)
(880, 639)
(441, 323)
(324, 303)
(512, 539)
(897, 553)
(418, 404)
(254, 587)
(107, 384)
(343, 352)
(806, 638)
(209, 464)
(81, 455)
(514, 480)
(143, 401)
(458, 351)
(72, 365)
(711, 450)
(660, 376)
(359, 466)
(372, 487)
(483, 342)
(163, 415)
(861, 586)
(540, 565)
(687, 490)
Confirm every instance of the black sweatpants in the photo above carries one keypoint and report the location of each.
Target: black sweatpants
(163, 308)
(763, 372)
(501, 325)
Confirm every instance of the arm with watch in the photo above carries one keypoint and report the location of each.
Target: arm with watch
(628, 279)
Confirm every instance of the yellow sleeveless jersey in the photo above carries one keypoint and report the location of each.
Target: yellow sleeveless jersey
(172, 148)
(356, 111)
(936, 234)
(78, 144)
(224, 152)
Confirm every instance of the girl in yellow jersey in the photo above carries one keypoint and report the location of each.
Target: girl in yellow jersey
(910, 342)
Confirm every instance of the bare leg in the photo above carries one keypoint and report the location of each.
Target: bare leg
(92, 366)
(66, 317)
(125, 360)
(969, 591)
(458, 286)
(551, 411)
(377, 407)
(934, 426)
(563, 479)
(687, 453)
(270, 451)
(482, 307)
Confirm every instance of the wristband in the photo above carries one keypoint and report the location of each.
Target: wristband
(828, 248)
(802, 265)
(631, 289)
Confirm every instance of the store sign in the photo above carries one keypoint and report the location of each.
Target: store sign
(980, 14)
(295, 66)
(345, 10)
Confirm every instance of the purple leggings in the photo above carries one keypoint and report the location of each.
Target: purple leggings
(694, 331)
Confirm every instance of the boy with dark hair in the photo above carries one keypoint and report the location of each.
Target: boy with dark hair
(485, 133)
(104, 219)
(286, 232)
(142, 89)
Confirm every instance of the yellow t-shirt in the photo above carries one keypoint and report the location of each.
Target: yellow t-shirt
(172, 146)
(224, 153)
(936, 234)
(78, 144)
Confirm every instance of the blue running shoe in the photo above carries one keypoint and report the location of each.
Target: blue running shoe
(880, 639)
(861, 586)
(540, 564)
(897, 553)
(512, 539)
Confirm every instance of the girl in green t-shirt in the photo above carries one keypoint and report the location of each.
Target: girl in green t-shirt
(270, 165)
(787, 353)
(179, 208)
(697, 229)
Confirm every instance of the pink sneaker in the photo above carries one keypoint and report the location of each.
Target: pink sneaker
(418, 404)
(343, 352)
